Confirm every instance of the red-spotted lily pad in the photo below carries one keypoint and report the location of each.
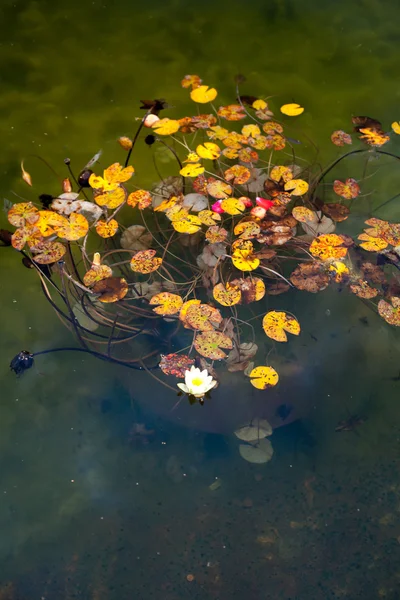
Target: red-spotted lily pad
(175, 364)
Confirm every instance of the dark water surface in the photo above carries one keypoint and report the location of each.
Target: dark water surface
(105, 493)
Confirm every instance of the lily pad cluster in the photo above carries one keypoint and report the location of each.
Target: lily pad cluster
(240, 222)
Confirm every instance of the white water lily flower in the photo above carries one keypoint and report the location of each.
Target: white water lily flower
(197, 383)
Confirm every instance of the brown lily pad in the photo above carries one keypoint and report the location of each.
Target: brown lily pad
(337, 212)
(310, 277)
(111, 289)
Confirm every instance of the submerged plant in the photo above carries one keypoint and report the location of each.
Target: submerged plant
(243, 218)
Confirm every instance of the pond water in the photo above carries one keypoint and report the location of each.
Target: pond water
(105, 488)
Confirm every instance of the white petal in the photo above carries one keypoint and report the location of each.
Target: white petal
(183, 387)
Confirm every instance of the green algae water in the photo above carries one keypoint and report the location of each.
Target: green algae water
(107, 491)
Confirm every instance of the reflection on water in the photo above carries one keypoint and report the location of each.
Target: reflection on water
(107, 492)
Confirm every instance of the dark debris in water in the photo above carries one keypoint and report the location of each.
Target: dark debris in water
(21, 362)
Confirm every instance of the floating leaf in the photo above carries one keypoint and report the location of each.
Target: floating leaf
(125, 142)
(280, 173)
(112, 177)
(252, 289)
(257, 429)
(234, 140)
(111, 199)
(49, 221)
(322, 226)
(208, 150)
(192, 170)
(218, 133)
(185, 308)
(195, 202)
(243, 256)
(203, 121)
(200, 185)
(166, 126)
(208, 217)
(209, 344)
(238, 173)
(203, 317)
(106, 229)
(272, 127)
(203, 94)
(48, 252)
(390, 232)
(219, 189)
(391, 313)
(247, 155)
(349, 189)
(171, 202)
(111, 289)
(175, 364)
(192, 157)
(169, 304)
(140, 198)
(257, 453)
(396, 127)
(233, 206)
(67, 203)
(96, 273)
(232, 112)
(363, 290)
(251, 130)
(26, 235)
(340, 271)
(340, 138)
(276, 323)
(145, 261)
(292, 110)
(372, 244)
(247, 230)
(116, 173)
(227, 294)
(188, 224)
(259, 104)
(177, 213)
(304, 214)
(373, 137)
(361, 122)
(76, 228)
(329, 246)
(296, 187)
(263, 377)
(337, 212)
(191, 80)
(310, 277)
(216, 234)
(22, 213)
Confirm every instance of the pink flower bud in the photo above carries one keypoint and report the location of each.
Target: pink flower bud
(150, 120)
(217, 208)
(258, 211)
(246, 201)
(264, 203)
